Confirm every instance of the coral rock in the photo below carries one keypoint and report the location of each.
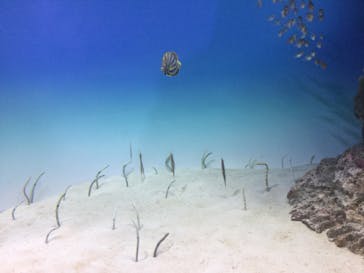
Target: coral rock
(331, 197)
(359, 100)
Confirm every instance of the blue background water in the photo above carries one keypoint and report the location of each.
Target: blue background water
(80, 80)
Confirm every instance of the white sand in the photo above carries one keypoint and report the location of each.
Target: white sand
(209, 230)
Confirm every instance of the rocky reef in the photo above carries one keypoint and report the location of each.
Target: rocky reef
(331, 197)
(359, 100)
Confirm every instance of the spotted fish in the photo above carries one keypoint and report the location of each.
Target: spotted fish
(170, 64)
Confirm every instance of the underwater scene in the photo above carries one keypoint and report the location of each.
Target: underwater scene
(202, 136)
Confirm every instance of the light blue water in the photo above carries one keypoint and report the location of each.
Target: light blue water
(80, 80)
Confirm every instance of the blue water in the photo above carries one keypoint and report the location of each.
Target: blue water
(80, 80)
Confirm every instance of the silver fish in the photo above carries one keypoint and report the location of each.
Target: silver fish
(321, 14)
(290, 23)
(292, 39)
(260, 3)
(282, 32)
(170, 64)
(284, 11)
(271, 18)
(300, 43)
(299, 54)
(308, 58)
(310, 5)
(292, 4)
(303, 29)
(309, 16)
(319, 44)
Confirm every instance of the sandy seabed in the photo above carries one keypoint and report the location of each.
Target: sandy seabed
(209, 230)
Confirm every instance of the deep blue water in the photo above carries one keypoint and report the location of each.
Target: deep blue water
(80, 80)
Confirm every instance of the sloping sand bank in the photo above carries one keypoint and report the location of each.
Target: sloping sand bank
(209, 231)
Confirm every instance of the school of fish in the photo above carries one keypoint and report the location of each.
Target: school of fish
(294, 21)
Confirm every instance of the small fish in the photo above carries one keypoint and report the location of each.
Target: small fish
(313, 36)
(277, 22)
(292, 4)
(271, 18)
(274, 1)
(170, 64)
(323, 65)
(309, 16)
(299, 55)
(303, 29)
(308, 58)
(282, 32)
(284, 11)
(292, 39)
(313, 54)
(260, 3)
(303, 5)
(310, 5)
(300, 43)
(319, 44)
(321, 14)
(290, 23)
(321, 37)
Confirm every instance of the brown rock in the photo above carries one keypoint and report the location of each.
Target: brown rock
(331, 197)
(359, 100)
